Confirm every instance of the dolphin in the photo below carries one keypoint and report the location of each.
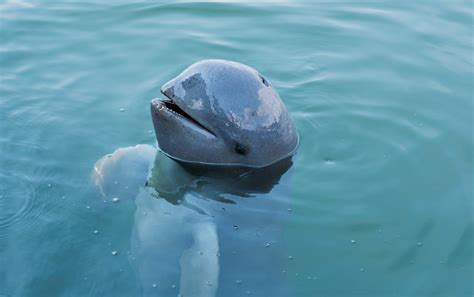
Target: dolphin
(219, 112)
(231, 137)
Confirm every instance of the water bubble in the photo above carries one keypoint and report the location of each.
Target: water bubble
(88, 207)
(85, 278)
(238, 282)
(248, 292)
(173, 286)
(290, 257)
(236, 227)
(267, 244)
(353, 241)
(315, 278)
(308, 277)
(209, 283)
(297, 274)
(96, 231)
(362, 270)
(150, 131)
(122, 109)
(114, 253)
(283, 271)
(63, 197)
(154, 285)
(290, 210)
(116, 182)
(115, 199)
(419, 244)
(49, 185)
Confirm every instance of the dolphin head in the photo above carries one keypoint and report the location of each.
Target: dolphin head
(219, 112)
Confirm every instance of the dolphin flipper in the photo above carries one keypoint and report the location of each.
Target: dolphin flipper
(174, 249)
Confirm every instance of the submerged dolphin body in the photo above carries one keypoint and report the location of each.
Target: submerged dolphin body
(184, 238)
(219, 112)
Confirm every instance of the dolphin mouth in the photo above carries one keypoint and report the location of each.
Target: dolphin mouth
(168, 105)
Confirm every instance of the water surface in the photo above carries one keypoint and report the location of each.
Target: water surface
(378, 202)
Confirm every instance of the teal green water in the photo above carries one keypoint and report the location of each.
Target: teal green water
(378, 202)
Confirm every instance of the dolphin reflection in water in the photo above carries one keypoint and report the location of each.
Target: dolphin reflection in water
(195, 231)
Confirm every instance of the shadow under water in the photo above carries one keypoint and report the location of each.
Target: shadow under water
(173, 180)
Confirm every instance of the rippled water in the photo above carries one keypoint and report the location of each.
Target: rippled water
(378, 202)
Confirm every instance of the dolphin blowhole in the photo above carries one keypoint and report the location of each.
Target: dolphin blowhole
(223, 113)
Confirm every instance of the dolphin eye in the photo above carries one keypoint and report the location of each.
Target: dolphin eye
(264, 81)
(240, 149)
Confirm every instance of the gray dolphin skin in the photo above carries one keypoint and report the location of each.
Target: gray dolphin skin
(219, 112)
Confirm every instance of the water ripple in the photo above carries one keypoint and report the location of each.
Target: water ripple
(381, 187)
